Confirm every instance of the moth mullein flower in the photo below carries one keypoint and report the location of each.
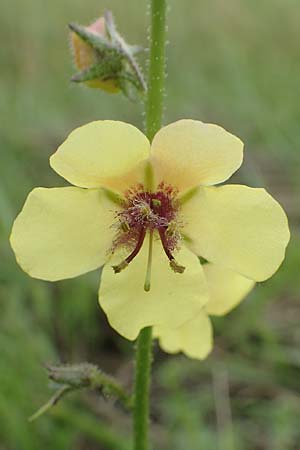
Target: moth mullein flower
(195, 337)
(147, 212)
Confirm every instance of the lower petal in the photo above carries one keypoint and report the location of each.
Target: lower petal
(238, 227)
(226, 289)
(172, 300)
(63, 232)
(194, 338)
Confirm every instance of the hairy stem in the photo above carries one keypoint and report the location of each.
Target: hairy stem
(142, 386)
(154, 113)
(156, 76)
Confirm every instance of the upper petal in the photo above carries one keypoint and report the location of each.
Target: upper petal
(173, 298)
(194, 338)
(103, 153)
(226, 289)
(189, 153)
(63, 232)
(241, 228)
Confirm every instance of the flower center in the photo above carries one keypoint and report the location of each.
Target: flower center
(153, 212)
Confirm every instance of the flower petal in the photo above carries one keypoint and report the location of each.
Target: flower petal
(173, 298)
(102, 153)
(194, 338)
(226, 289)
(189, 153)
(63, 232)
(241, 228)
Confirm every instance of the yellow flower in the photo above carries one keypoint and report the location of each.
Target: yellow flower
(150, 211)
(195, 338)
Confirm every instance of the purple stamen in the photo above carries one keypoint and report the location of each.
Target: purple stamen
(148, 211)
(133, 254)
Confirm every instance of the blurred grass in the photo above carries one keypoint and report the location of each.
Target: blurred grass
(235, 63)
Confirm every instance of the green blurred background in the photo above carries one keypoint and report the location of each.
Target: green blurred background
(235, 63)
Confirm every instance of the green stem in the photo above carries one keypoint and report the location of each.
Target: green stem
(154, 113)
(141, 393)
(156, 76)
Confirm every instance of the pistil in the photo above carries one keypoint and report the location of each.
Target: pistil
(147, 283)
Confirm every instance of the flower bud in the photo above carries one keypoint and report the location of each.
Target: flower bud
(103, 58)
(85, 56)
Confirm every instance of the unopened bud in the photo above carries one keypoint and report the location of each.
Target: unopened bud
(78, 375)
(103, 58)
